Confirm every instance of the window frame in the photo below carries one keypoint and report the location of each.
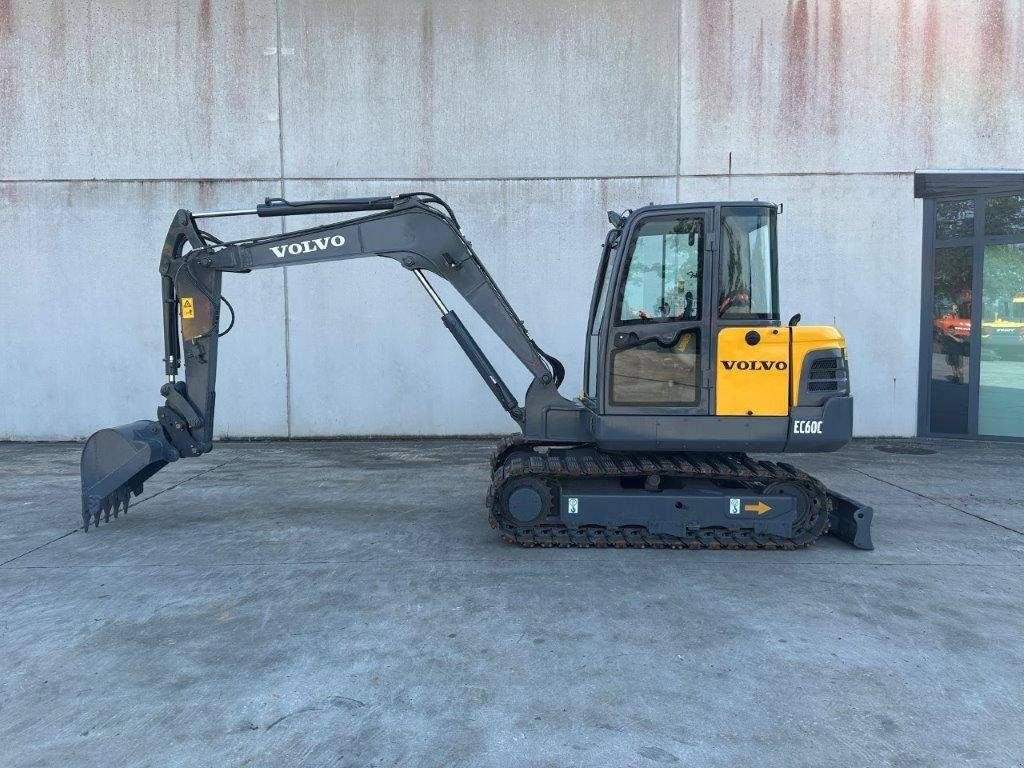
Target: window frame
(698, 357)
(749, 318)
(707, 213)
(935, 187)
(616, 320)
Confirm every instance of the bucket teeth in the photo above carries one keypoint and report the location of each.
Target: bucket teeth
(113, 504)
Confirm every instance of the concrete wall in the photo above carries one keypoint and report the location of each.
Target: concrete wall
(531, 118)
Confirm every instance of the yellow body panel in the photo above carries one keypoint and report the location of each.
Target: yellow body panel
(807, 338)
(752, 380)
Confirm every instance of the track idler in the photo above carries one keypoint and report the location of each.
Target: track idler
(116, 462)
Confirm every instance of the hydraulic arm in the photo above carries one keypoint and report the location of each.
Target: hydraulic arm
(417, 230)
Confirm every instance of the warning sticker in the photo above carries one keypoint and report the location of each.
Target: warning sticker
(188, 308)
(574, 506)
(734, 506)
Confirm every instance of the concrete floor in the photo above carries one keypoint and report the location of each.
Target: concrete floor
(345, 603)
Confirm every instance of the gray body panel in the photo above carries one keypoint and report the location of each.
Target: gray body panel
(689, 433)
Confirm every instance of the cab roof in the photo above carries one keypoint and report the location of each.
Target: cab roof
(629, 216)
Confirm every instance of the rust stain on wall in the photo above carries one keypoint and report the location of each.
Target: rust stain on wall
(815, 46)
(428, 81)
(795, 80)
(56, 63)
(58, 26)
(8, 76)
(730, 22)
(204, 21)
(992, 65)
(242, 45)
(834, 69)
(1019, 56)
(6, 19)
(204, 56)
(9, 195)
(714, 61)
(205, 193)
(902, 88)
(756, 76)
(903, 56)
(930, 78)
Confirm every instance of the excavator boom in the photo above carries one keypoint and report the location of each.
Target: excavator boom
(417, 230)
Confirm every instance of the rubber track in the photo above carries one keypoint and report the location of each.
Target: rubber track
(515, 457)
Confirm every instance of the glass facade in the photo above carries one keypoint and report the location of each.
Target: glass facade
(1004, 215)
(1001, 378)
(973, 340)
(951, 341)
(954, 219)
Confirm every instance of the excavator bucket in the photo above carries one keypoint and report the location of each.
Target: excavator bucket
(115, 463)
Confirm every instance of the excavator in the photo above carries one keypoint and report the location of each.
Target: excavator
(687, 369)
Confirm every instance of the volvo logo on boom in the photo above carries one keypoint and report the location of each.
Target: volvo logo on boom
(307, 246)
(755, 365)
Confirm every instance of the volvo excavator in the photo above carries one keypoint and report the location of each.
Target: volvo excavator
(688, 368)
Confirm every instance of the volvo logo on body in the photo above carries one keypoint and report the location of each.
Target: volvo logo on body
(755, 365)
(307, 246)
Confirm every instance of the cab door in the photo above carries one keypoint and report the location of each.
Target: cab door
(656, 353)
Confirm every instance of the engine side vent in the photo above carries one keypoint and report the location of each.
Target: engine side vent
(824, 374)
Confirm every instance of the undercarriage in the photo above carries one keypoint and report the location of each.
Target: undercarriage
(579, 496)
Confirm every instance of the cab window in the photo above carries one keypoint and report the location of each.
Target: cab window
(746, 284)
(665, 267)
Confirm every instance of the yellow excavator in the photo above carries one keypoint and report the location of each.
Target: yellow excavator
(688, 368)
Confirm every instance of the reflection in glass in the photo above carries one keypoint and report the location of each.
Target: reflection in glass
(664, 278)
(653, 374)
(1004, 215)
(1001, 379)
(951, 341)
(954, 218)
(746, 289)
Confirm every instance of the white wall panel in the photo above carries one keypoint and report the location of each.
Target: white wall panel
(121, 89)
(448, 88)
(81, 310)
(775, 86)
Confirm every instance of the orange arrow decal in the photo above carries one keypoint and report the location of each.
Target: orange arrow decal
(760, 508)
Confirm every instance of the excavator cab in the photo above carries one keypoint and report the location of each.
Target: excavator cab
(687, 367)
(686, 349)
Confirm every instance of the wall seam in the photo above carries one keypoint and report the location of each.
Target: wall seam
(282, 178)
(284, 270)
(679, 98)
